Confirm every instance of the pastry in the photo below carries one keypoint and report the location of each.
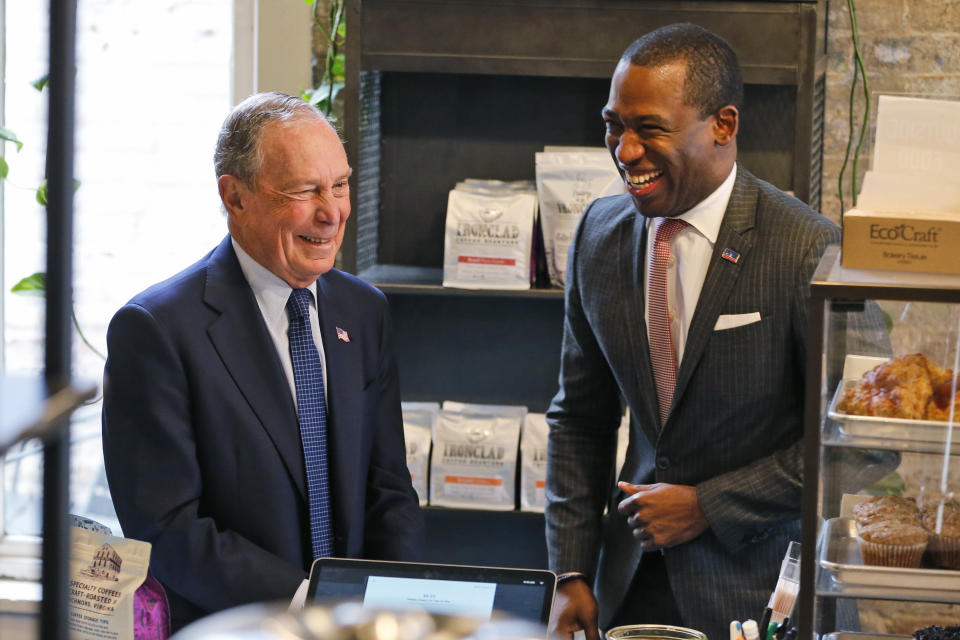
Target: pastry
(892, 544)
(911, 387)
(943, 546)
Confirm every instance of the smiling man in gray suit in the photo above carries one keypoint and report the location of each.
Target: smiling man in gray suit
(710, 492)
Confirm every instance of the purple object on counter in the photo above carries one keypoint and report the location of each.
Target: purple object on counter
(151, 611)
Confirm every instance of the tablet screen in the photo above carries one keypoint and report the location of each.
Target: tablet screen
(441, 589)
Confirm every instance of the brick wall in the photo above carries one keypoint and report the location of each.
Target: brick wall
(908, 46)
(913, 47)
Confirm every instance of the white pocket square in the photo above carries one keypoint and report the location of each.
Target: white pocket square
(736, 320)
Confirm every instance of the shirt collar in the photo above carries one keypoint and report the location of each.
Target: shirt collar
(707, 215)
(270, 290)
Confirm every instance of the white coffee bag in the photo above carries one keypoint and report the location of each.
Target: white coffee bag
(512, 410)
(489, 236)
(568, 181)
(105, 572)
(473, 464)
(419, 421)
(533, 462)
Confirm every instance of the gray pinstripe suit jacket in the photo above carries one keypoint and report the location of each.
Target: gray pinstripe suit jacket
(737, 419)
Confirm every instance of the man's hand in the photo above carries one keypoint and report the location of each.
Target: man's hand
(574, 608)
(662, 515)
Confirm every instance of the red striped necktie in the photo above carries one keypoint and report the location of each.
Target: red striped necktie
(662, 354)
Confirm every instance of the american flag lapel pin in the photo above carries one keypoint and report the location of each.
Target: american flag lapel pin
(730, 255)
(343, 335)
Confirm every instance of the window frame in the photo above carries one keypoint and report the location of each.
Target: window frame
(266, 37)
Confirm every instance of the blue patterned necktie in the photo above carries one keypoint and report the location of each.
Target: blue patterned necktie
(312, 414)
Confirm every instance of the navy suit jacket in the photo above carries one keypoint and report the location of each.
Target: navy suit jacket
(202, 445)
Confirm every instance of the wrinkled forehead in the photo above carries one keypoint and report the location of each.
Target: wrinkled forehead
(302, 136)
(305, 149)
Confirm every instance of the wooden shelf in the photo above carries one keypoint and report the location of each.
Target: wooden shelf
(404, 279)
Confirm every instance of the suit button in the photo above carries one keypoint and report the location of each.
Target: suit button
(663, 463)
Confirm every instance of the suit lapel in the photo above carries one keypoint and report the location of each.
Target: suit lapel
(247, 352)
(340, 402)
(632, 261)
(738, 220)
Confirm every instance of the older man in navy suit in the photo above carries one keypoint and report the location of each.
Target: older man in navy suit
(251, 417)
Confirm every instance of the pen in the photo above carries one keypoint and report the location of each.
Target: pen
(782, 629)
(772, 631)
(765, 623)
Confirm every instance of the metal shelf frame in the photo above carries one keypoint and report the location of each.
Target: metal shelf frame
(833, 283)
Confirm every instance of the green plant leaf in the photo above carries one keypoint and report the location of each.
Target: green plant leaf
(321, 103)
(35, 285)
(342, 29)
(4, 168)
(892, 483)
(338, 68)
(315, 96)
(887, 320)
(41, 82)
(10, 136)
(42, 191)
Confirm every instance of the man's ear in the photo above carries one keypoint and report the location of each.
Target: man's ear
(232, 192)
(726, 121)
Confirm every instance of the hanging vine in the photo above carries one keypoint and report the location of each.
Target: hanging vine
(333, 28)
(859, 71)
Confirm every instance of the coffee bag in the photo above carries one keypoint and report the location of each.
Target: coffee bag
(533, 462)
(568, 181)
(105, 572)
(419, 421)
(489, 235)
(473, 464)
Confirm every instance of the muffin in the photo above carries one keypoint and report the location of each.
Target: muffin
(892, 544)
(886, 508)
(943, 548)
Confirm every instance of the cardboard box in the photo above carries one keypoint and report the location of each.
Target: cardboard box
(918, 242)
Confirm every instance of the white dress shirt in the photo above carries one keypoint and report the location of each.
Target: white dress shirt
(272, 293)
(690, 252)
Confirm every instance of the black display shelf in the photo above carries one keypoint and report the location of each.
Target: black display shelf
(486, 538)
(392, 278)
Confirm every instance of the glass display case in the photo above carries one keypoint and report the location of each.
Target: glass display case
(871, 431)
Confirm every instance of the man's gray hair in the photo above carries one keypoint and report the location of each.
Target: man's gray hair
(238, 145)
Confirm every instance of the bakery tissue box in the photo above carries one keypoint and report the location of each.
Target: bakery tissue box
(923, 242)
(908, 214)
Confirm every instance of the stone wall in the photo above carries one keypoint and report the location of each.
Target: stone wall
(908, 46)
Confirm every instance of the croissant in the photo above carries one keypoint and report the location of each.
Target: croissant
(911, 387)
